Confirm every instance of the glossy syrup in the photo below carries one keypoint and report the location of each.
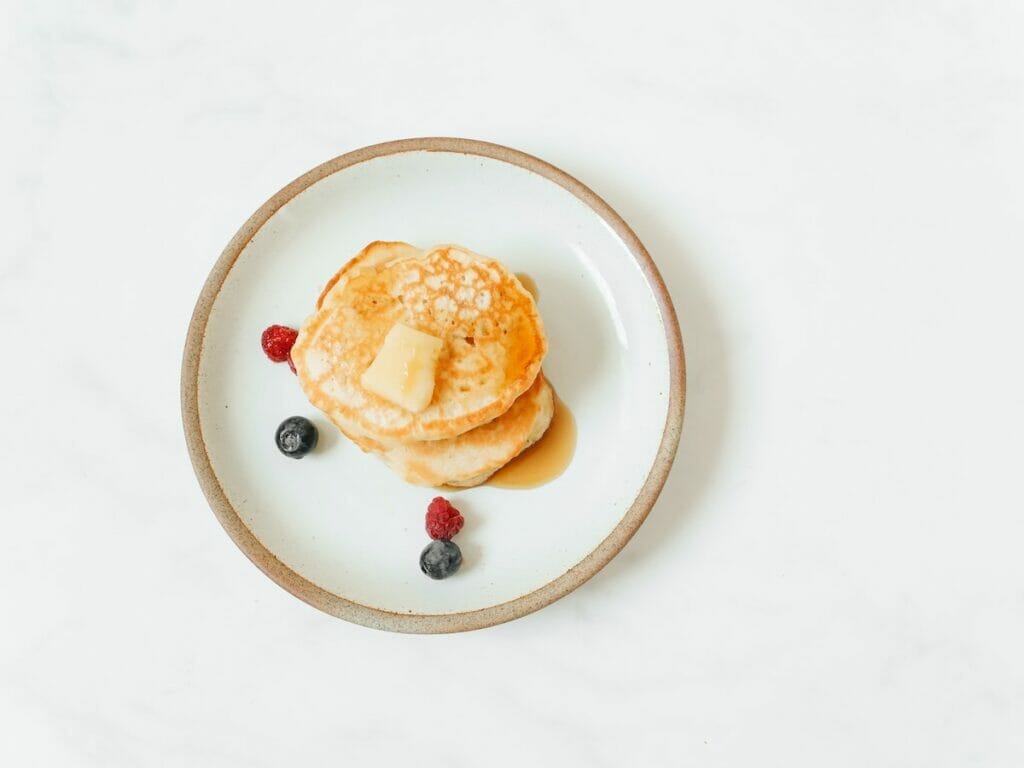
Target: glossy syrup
(546, 459)
(528, 284)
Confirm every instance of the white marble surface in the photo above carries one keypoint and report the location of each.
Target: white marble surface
(834, 575)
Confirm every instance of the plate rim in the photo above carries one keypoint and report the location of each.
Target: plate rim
(377, 618)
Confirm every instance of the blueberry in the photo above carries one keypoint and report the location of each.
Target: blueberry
(440, 559)
(296, 437)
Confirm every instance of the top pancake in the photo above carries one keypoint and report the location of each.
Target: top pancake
(494, 341)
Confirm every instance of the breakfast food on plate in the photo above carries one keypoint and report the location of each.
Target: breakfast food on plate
(443, 520)
(442, 557)
(277, 342)
(296, 436)
(487, 322)
(430, 359)
(470, 458)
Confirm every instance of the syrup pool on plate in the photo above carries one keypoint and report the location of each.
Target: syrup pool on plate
(546, 459)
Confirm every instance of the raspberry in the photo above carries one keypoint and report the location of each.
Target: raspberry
(277, 342)
(443, 520)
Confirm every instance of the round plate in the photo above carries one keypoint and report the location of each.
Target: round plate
(341, 531)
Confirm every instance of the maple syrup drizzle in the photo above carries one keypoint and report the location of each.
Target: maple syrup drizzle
(546, 459)
(528, 284)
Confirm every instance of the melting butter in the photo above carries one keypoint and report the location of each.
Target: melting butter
(404, 370)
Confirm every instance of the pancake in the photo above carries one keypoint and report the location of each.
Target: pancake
(472, 457)
(494, 341)
(376, 254)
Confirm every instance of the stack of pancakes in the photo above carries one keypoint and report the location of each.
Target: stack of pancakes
(490, 399)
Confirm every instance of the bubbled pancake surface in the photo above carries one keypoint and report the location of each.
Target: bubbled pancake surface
(494, 341)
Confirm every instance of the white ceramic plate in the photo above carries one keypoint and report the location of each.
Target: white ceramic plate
(341, 531)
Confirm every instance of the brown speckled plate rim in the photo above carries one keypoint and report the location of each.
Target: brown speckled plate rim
(376, 618)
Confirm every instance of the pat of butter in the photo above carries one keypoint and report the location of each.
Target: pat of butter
(403, 371)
